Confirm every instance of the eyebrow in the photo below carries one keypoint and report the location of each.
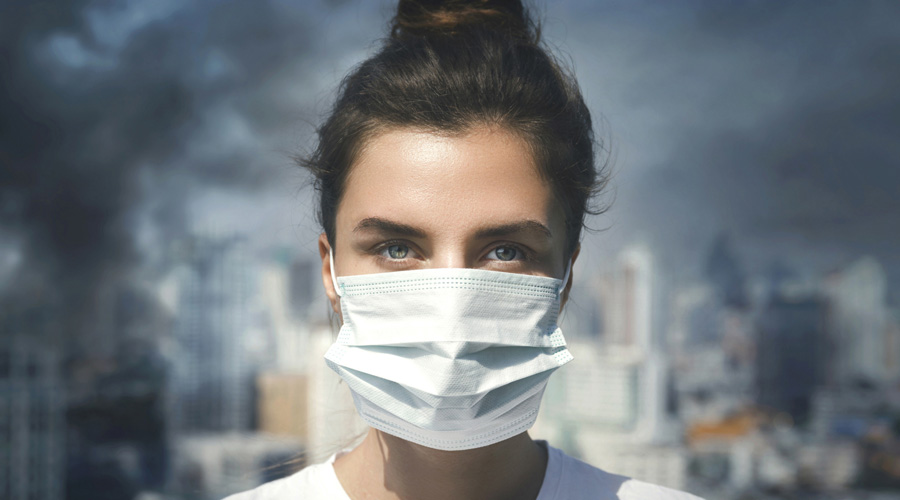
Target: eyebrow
(388, 226)
(531, 226)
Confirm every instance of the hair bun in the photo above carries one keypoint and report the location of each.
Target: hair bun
(450, 17)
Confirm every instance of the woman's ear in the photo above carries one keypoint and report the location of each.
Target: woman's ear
(565, 294)
(325, 255)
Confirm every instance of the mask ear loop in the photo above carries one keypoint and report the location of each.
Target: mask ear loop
(337, 289)
(565, 280)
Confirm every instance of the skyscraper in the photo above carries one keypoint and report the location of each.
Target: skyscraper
(636, 319)
(213, 377)
(858, 322)
(790, 354)
(32, 418)
(617, 387)
(725, 274)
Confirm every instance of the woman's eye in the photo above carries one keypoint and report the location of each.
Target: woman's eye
(504, 253)
(397, 251)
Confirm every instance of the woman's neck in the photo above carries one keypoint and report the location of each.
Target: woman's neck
(385, 467)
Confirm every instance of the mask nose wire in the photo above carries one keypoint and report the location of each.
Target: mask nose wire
(337, 289)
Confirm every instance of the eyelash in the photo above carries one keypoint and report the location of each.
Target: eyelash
(382, 247)
(523, 254)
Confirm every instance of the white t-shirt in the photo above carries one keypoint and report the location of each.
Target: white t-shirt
(566, 478)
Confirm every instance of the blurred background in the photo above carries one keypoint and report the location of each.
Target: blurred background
(735, 318)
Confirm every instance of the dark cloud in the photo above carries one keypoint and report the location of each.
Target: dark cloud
(775, 121)
(823, 164)
(96, 99)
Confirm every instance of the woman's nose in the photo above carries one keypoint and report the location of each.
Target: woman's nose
(449, 258)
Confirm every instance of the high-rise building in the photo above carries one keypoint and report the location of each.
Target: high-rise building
(599, 388)
(636, 324)
(32, 419)
(858, 323)
(282, 404)
(305, 286)
(632, 299)
(616, 387)
(282, 385)
(724, 272)
(790, 356)
(286, 332)
(212, 380)
(694, 319)
(713, 353)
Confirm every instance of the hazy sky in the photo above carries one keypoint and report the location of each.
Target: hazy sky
(775, 121)
(126, 123)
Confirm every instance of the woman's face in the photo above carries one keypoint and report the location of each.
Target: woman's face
(417, 200)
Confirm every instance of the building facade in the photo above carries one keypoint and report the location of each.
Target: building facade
(32, 420)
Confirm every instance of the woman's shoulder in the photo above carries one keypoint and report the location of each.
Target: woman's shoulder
(568, 478)
(316, 482)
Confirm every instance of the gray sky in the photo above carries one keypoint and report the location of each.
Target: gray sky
(774, 121)
(126, 123)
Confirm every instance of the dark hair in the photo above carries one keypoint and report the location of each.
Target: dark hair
(451, 65)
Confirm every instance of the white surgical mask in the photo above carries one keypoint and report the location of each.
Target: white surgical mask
(451, 359)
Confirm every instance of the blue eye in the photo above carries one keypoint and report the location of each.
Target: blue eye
(504, 253)
(397, 251)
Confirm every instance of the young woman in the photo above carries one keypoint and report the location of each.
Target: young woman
(454, 174)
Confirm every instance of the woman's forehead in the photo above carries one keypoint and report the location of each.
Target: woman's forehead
(486, 177)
